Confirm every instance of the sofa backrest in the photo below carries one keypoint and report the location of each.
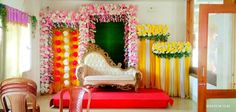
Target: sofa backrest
(99, 65)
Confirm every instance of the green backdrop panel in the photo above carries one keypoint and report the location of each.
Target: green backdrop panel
(110, 37)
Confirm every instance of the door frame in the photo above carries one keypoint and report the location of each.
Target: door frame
(203, 92)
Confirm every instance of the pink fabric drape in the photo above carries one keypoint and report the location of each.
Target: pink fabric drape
(17, 16)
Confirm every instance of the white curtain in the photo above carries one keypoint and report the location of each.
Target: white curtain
(17, 50)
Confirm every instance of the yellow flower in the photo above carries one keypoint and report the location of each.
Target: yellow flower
(139, 33)
(171, 47)
(165, 29)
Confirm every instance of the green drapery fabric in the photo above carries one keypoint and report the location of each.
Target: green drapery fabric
(110, 37)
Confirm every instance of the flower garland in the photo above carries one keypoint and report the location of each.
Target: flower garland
(92, 13)
(49, 20)
(153, 32)
(65, 52)
(172, 49)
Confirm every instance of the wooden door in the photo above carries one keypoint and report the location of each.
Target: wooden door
(205, 57)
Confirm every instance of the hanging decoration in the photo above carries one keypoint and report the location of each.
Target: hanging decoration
(33, 21)
(3, 14)
(92, 13)
(65, 58)
(153, 32)
(17, 16)
(171, 49)
(50, 20)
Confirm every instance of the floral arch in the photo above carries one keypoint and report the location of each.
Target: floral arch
(91, 13)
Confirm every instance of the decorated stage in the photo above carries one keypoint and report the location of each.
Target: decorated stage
(144, 98)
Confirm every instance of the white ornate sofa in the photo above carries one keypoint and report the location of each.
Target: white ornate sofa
(97, 69)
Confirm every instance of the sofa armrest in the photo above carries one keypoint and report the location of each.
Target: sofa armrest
(138, 75)
(138, 78)
(81, 72)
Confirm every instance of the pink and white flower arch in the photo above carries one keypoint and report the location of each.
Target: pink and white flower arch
(91, 13)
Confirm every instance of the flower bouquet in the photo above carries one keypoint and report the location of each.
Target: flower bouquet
(172, 49)
(153, 32)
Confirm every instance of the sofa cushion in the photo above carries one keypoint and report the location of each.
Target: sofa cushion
(109, 77)
(109, 80)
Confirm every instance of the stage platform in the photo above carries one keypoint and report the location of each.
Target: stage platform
(144, 98)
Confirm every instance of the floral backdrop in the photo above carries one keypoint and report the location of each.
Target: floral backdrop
(92, 13)
(84, 19)
(65, 58)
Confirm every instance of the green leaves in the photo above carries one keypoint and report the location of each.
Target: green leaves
(3, 14)
(33, 20)
(161, 37)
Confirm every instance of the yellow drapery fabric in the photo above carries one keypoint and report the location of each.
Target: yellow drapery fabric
(152, 65)
(142, 61)
(155, 70)
(157, 73)
(167, 76)
(176, 78)
(186, 85)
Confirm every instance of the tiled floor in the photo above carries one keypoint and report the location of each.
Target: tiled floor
(180, 105)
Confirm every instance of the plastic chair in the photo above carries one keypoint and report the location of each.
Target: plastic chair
(76, 98)
(20, 94)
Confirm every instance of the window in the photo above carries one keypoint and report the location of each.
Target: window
(25, 44)
(196, 26)
(17, 50)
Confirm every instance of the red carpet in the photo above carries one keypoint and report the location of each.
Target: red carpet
(144, 98)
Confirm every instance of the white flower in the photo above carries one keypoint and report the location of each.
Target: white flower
(66, 68)
(66, 47)
(65, 33)
(46, 85)
(66, 54)
(66, 82)
(66, 75)
(66, 40)
(65, 62)
(93, 40)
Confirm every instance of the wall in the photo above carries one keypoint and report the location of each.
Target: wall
(31, 7)
(170, 12)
